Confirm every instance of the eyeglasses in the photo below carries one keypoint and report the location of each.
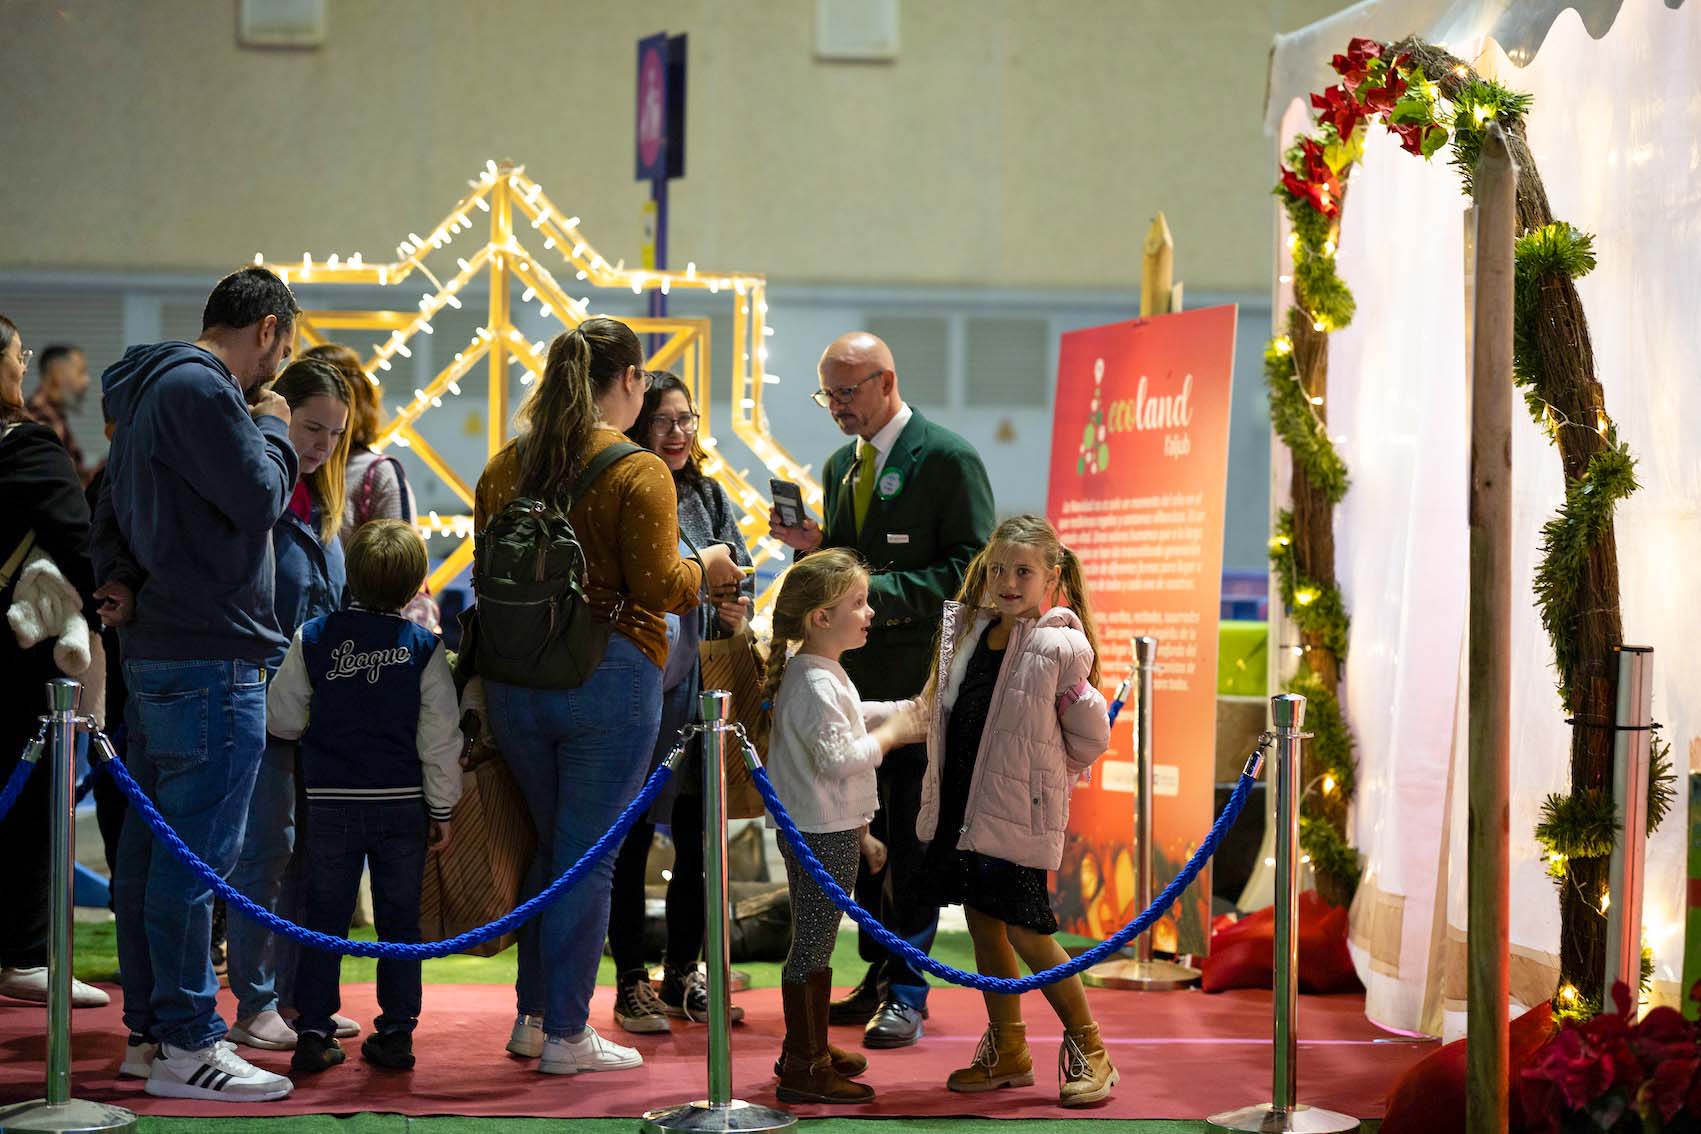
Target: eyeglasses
(686, 423)
(649, 377)
(24, 357)
(842, 394)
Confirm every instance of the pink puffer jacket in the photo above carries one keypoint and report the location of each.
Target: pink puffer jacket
(1045, 727)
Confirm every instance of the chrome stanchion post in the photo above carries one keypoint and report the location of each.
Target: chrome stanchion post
(720, 1111)
(1632, 750)
(59, 1111)
(1284, 1112)
(1143, 973)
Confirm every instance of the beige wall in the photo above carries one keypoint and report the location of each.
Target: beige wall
(1013, 143)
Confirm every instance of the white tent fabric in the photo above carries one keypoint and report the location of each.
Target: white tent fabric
(1614, 131)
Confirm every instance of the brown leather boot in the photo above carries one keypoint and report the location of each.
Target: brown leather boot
(1084, 1071)
(806, 1069)
(1001, 1060)
(850, 1064)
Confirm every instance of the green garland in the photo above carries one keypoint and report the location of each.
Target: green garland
(1566, 539)
(1296, 423)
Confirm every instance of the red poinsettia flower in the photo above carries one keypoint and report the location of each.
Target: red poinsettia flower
(1381, 99)
(1314, 182)
(1339, 109)
(1354, 65)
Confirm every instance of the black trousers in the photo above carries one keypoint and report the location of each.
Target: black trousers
(685, 911)
(895, 894)
(24, 832)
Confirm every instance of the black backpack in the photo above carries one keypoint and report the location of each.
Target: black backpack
(535, 627)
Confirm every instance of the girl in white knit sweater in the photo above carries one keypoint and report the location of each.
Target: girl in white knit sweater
(825, 744)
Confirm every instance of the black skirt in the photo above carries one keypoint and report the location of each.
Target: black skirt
(1015, 895)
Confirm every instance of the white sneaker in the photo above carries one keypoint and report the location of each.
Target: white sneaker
(589, 1052)
(346, 1028)
(266, 1031)
(30, 985)
(526, 1040)
(213, 1072)
(139, 1056)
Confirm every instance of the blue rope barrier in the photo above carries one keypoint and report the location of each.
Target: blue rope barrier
(15, 785)
(1103, 951)
(236, 900)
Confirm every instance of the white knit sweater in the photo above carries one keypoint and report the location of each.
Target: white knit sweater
(820, 756)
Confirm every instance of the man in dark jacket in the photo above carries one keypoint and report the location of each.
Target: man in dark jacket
(195, 481)
(912, 498)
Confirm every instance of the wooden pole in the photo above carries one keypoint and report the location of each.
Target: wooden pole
(1159, 295)
(1490, 636)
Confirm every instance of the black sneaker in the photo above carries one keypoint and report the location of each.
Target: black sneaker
(393, 1050)
(637, 1008)
(685, 995)
(315, 1053)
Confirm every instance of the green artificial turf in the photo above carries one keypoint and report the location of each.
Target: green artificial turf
(96, 959)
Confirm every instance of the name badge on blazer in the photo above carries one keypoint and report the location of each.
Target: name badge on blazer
(897, 537)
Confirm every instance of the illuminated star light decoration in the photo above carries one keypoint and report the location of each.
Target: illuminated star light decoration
(511, 199)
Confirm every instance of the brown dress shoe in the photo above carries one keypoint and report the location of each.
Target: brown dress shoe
(1084, 1072)
(1001, 1060)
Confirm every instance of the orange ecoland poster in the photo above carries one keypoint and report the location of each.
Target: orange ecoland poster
(1139, 472)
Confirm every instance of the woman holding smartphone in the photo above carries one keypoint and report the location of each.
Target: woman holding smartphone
(668, 426)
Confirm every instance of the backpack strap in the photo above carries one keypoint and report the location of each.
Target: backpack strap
(599, 464)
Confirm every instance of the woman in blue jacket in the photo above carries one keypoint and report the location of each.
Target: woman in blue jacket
(310, 582)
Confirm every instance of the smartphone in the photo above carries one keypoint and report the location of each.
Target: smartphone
(788, 502)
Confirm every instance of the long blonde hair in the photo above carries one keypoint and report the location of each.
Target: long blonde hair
(557, 417)
(309, 378)
(1036, 532)
(813, 583)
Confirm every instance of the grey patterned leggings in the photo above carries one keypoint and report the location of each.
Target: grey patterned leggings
(814, 917)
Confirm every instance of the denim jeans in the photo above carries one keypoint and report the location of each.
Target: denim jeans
(197, 730)
(388, 839)
(579, 757)
(267, 844)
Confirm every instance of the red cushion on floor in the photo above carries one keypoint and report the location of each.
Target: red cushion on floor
(1431, 1094)
(1242, 953)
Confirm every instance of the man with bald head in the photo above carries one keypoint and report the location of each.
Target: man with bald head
(912, 498)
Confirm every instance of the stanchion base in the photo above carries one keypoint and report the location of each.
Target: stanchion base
(1266, 1119)
(1140, 976)
(74, 1116)
(704, 1115)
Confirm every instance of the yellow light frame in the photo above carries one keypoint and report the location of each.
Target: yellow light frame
(510, 198)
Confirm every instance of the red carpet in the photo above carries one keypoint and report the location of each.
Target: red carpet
(1181, 1055)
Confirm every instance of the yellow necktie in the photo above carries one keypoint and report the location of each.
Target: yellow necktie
(864, 483)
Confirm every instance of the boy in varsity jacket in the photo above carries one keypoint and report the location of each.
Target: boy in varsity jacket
(370, 697)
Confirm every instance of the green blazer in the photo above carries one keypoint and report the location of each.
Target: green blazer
(931, 513)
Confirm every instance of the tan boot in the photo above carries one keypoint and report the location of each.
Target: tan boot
(1001, 1060)
(1084, 1072)
(806, 1069)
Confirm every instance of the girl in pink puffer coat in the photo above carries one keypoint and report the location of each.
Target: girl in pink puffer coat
(1016, 716)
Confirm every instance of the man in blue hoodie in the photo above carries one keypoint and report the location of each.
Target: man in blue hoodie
(195, 482)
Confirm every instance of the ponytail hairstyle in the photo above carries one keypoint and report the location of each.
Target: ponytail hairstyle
(310, 378)
(813, 583)
(557, 417)
(1036, 532)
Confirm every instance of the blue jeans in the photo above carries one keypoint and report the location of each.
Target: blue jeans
(254, 957)
(388, 839)
(197, 729)
(579, 757)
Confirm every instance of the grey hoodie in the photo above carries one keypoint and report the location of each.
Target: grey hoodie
(193, 488)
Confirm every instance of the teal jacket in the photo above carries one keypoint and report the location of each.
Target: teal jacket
(931, 513)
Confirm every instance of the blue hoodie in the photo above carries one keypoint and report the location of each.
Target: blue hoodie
(193, 488)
